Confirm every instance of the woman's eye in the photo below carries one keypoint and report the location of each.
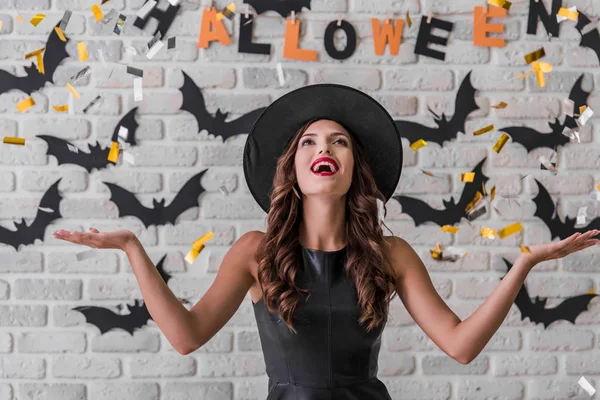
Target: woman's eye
(342, 141)
(306, 141)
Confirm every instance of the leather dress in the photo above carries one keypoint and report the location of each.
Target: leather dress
(331, 357)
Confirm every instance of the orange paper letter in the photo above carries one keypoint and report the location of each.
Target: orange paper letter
(290, 46)
(386, 34)
(481, 27)
(209, 19)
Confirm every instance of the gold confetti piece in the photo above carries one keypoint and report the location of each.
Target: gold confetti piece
(510, 230)
(478, 196)
(449, 229)
(436, 253)
(97, 12)
(13, 140)
(493, 193)
(483, 189)
(486, 129)
(19, 18)
(206, 237)
(228, 12)
(38, 58)
(193, 254)
(500, 3)
(500, 143)
(525, 249)
(62, 108)
(113, 155)
(467, 176)
(487, 233)
(431, 174)
(73, 91)
(582, 109)
(569, 14)
(408, 20)
(35, 53)
(498, 211)
(60, 34)
(539, 68)
(36, 19)
(26, 104)
(82, 51)
(416, 145)
(500, 105)
(591, 291)
(535, 55)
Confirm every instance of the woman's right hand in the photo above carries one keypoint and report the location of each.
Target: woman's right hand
(119, 239)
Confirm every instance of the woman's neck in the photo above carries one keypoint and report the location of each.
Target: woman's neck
(323, 224)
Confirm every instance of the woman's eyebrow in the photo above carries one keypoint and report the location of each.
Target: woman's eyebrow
(332, 134)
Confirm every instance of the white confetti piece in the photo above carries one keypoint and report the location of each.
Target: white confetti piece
(101, 57)
(152, 52)
(145, 10)
(586, 386)
(46, 209)
(560, 18)
(583, 118)
(581, 216)
(138, 94)
(131, 50)
(86, 254)
(173, 2)
(71, 104)
(548, 165)
(280, 74)
(380, 211)
(595, 196)
(72, 148)
(123, 132)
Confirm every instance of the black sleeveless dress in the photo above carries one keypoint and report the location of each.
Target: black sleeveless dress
(331, 357)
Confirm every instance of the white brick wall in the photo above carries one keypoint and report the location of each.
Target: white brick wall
(47, 351)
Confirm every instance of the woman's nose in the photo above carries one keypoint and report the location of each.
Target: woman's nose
(327, 151)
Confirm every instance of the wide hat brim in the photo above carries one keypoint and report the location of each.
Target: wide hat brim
(360, 114)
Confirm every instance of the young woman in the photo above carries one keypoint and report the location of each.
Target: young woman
(322, 275)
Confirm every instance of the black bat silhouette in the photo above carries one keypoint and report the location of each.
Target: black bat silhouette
(97, 157)
(590, 39)
(545, 211)
(282, 7)
(579, 97)
(106, 319)
(445, 130)
(34, 80)
(186, 198)
(452, 213)
(193, 101)
(537, 312)
(533, 139)
(27, 234)
(165, 18)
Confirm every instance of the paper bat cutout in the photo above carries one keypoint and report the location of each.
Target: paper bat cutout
(165, 18)
(96, 157)
(445, 130)
(452, 213)
(533, 139)
(282, 7)
(105, 319)
(590, 39)
(537, 312)
(53, 55)
(27, 234)
(187, 198)
(579, 98)
(193, 101)
(545, 210)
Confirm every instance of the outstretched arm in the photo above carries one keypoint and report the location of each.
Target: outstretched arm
(464, 340)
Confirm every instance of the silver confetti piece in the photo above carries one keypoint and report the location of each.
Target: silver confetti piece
(223, 190)
(135, 71)
(109, 15)
(171, 43)
(155, 39)
(476, 213)
(72, 148)
(65, 20)
(85, 110)
(120, 24)
(80, 74)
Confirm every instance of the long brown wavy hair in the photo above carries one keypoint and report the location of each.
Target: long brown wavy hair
(278, 251)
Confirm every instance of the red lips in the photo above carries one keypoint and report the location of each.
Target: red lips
(326, 159)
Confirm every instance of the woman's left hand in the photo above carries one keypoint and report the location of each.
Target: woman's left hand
(549, 251)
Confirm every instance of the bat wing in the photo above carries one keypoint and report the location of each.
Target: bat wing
(27, 234)
(186, 198)
(579, 98)
(422, 212)
(414, 131)
(471, 188)
(241, 125)
(59, 148)
(193, 102)
(25, 84)
(568, 310)
(590, 39)
(138, 317)
(522, 301)
(283, 8)
(128, 121)
(166, 276)
(545, 210)
(463, 106)
(103, 318)
(533, 139)
(128, 204)
(55, 53)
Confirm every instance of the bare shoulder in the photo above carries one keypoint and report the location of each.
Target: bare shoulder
(249, 243)
(398, 250)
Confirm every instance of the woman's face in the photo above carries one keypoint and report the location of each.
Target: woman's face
(333, 176)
